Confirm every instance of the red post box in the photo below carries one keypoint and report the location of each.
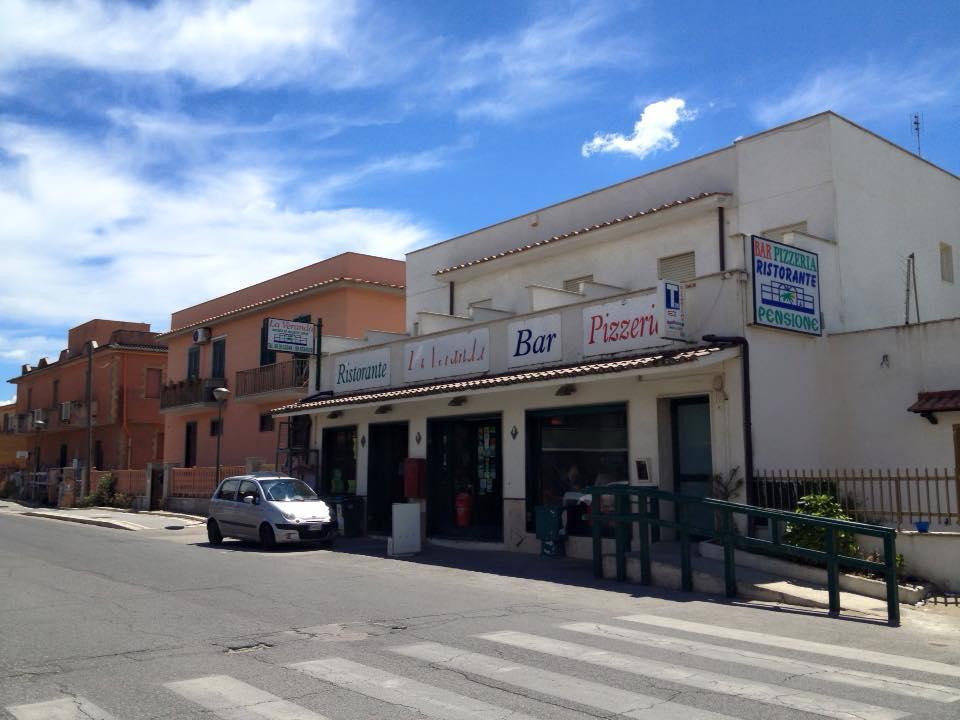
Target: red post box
(414, 477)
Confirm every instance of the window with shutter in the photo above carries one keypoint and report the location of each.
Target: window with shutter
(679, 268)
(573, 284)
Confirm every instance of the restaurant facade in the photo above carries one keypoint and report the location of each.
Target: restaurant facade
(592, 342)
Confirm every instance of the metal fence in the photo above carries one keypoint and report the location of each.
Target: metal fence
(200, 482)
(874, 496)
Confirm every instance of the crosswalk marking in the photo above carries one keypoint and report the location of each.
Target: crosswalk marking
(583, 692)
(68, 708)
(428, 700)
(705, 680)
(233, 699)
(789, 666)
(869, 656)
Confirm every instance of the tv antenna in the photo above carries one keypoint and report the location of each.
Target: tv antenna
(917, 127)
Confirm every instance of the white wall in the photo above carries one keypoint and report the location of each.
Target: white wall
(891, 203)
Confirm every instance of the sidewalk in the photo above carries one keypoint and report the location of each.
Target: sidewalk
(116, 518)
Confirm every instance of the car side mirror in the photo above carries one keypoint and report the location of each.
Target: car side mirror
(250, 499)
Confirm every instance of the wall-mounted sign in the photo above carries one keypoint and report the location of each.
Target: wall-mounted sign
(629, 324)
(463, 353)
(292, 337)
(361, 371)
(671, 310)
(534, 341)
(786, 287)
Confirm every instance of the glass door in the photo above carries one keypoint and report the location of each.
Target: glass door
(692, 455)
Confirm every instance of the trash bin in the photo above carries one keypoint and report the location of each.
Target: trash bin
(548, 522)
(351, 515)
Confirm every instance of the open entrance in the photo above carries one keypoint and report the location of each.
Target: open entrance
(388, 450)
(465, 485)
(339, 467)
(692, 455)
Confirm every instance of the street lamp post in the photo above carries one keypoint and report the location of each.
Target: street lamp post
(220, 394)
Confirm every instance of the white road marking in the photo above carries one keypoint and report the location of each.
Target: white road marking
(583, 692)
(397, 690)
(68, 708)
(816, 703)
(787, 643)
(789, 666)
(233, 699)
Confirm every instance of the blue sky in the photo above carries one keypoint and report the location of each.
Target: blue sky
(157, 154)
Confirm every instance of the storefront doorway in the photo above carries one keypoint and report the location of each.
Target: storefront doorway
(464, 478)
(692, 454)
(388, 450)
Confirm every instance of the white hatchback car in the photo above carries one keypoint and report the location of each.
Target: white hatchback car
(270, 508)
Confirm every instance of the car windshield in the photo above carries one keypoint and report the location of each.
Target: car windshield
(287, 490)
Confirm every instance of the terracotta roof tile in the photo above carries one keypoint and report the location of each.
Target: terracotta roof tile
(941, 401)
(581, 231)
(282, 296)
(652, 359)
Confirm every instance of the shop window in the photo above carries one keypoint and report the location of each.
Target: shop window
(152, 383)
(266, 422)
(339, 461)
(570, 449)
(946, 262)
(679, 268)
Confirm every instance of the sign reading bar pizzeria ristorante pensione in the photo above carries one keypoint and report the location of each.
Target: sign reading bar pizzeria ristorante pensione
(786, 287)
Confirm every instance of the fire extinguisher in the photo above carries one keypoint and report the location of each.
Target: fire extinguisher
(464, 504)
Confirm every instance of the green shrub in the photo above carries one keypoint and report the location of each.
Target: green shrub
(815, 538)
(104, 492)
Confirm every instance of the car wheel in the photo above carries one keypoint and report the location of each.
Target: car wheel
(267, 539)
(213, 532)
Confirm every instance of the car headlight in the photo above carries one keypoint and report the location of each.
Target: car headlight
(287, 515)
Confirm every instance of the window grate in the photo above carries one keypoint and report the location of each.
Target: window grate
(573, 284)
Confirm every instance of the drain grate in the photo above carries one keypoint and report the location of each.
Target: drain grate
(247, 648)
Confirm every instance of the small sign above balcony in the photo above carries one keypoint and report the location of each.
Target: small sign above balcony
(292, 337)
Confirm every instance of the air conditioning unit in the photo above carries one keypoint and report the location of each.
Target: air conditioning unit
(66, 411)
(201, 335)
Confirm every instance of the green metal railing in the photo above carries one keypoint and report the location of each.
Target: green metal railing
(647, 516)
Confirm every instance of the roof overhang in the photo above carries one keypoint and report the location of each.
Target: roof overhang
(666, 361)
(930, 403)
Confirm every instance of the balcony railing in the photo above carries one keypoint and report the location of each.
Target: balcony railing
(286, 375)
(195, 391)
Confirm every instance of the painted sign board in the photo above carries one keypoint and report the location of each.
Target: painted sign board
(290, 336)
(671, 310)
(628, 324)
(786, 287)
(534, 341)
(462, 353)
(361, 371)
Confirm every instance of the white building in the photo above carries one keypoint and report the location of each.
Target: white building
(536, 360)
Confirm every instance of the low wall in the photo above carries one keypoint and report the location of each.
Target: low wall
(190, 506)
(933, 556)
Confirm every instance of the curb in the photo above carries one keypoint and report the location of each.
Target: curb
(114, 524)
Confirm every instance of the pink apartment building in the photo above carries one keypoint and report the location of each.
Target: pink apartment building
(222, 343)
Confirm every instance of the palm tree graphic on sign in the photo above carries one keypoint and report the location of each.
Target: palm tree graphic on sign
(788, 295)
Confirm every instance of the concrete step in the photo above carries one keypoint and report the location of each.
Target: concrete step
(752, 584)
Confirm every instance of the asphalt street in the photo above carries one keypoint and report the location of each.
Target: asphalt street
(104, 623)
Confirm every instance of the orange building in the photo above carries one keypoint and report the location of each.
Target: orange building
(12, 444)
(222, 343)
(126, 363)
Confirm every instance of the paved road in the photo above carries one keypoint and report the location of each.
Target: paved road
(100, 623)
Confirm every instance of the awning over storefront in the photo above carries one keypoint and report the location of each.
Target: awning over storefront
(929, 403)
(657, 359)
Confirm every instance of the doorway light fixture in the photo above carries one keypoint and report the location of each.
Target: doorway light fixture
(383, 410)
(335, 414)
(457, 401)
(565, 390)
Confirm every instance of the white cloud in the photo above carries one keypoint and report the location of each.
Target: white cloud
(651, 133)
(541, 65)
(84, 237)
(216, 43)
(864, 92)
